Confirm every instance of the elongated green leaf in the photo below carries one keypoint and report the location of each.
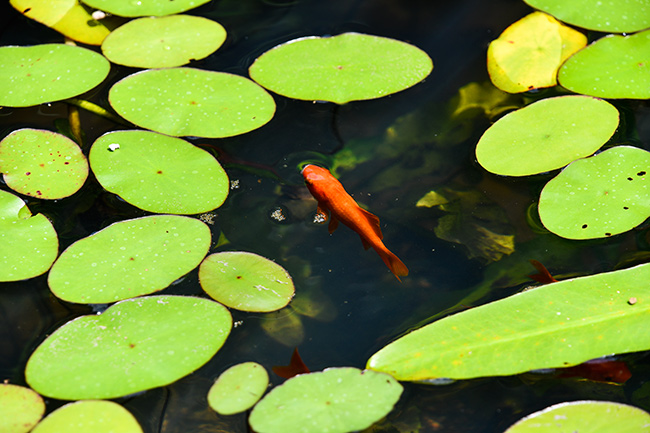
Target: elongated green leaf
(20, 408)
(556, 325)
(89, 416)
(238, 388)
(134, 345)
(585, 417)
(140, 8)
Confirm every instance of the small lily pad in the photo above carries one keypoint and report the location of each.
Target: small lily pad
(238, 388)
(192, 102)
(20, 408)
(546, 135)
(141, 8)
(585, 417)
(528, 54)
(129, 258)
(28, 244)
(89, 416)
(42, 164)
(612, 67)
(342, 68)
(161, 42)
(600, 196)
(616, 16)
(159, 173)
(134, 345)
(49, 72)
(246, 281)
(69, 17)
(336, 400)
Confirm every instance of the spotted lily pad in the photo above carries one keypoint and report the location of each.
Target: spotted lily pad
(160, 42)
(159, 173)
(336, 400)
(68, 17)
(342, 68)
(238, 388)
(246, 281)
(528, 54)
(616, 16)
(89, 416)
(28, 244)
(129, 258)
(192, 102)
(20, 408)
(42, 164)
(546, 135)
(134, 345)
(49, 72)
(600, 196)
(141, 8)
(612, 67)
(585, 417)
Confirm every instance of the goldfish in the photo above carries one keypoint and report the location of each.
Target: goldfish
(332, 198)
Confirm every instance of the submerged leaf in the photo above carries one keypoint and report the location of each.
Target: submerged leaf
(556, 325)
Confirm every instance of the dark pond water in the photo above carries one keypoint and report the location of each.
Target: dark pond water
(418, 147)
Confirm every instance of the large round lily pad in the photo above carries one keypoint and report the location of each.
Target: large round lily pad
(546, 135)
(20, 408)
(42, 164)
(245, 281)
(342, 68)
(585, 417)
(28, 244)
(141, 8)
(616, 16)
(528, 54)
(45, 73)
(160, 42)
(134, 345)
(129, 258)
(238, 388)
(159, 173)
(89, 416)
(336, 400)
(612, 67)
(192, 102)
(599, 196)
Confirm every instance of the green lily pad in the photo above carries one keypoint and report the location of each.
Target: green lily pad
(342, 68)
(612, 67)
(336, 400)
(28, 244)
(20, 408)
(42, 164)
(616, 16)
(585, 417)
(246, 281)
(68, 17)
(89, 416)
(528, 54)
(141, 8)
(163, 42)
(49, 72)
(134, 345)
(159, 173)
(600, 196)
(192, 102)
(129, 258)
(552, 326)
(238, 388)
(546, 135)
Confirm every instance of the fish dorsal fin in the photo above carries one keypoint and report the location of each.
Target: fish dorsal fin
(334, 223)
(374, 222)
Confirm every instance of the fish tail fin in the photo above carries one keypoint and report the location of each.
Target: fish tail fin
(396, 266)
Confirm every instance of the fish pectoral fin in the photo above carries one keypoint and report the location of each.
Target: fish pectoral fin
(374, 222)
(334, 223)
(322, 214)
(366, 244)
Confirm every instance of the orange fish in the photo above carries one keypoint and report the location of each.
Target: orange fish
(332, 198)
